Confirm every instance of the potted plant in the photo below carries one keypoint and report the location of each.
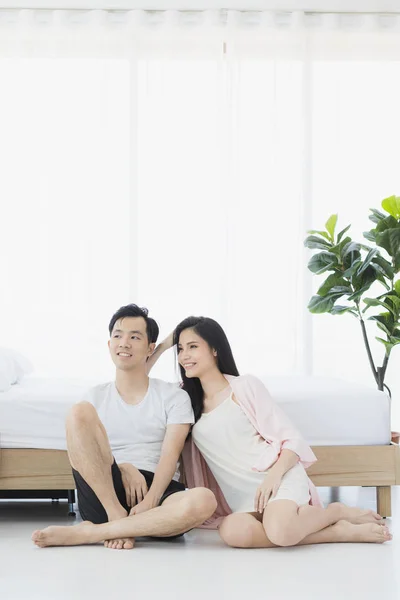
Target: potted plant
(352, 268)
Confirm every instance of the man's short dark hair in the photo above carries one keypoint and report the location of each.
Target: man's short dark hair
(133, 310)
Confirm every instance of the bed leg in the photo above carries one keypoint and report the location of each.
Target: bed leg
(384, 500)
(71, 500)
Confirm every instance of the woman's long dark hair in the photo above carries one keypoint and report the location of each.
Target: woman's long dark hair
(215, 336)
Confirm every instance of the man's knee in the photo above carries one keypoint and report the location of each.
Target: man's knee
(237, 531)
(80, 414)
(200, 503)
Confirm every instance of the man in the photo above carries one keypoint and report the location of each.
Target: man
(124, 441)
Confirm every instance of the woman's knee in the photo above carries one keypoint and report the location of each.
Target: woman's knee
(238, 530)
(280, 533)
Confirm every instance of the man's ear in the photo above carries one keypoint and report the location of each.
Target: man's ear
(108, 344)
(152, 347)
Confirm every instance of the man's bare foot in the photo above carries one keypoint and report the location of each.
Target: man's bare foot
(357, 516)
(117, 514)
(367, 532)
(74, 535)
(121, 544)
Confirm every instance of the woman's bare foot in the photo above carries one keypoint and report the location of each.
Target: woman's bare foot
(367, 532)
(74, 535)
(122, 544)
(357, 516)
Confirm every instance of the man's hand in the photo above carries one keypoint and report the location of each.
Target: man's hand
(268, 489)
(134, 483)
(146, 504)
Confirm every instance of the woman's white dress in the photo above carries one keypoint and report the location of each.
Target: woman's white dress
(230, 446)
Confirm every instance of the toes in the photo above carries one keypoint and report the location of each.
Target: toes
(128, 545)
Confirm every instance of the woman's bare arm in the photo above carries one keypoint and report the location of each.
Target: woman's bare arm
(160, 349)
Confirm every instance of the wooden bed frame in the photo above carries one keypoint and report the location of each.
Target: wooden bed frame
(368, 466)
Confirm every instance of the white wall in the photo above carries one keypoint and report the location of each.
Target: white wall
(289, 5)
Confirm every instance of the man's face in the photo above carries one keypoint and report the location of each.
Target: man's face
(129, 345)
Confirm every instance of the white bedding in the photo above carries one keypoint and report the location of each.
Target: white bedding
(326, 411)
(32, 413)
(332, 412)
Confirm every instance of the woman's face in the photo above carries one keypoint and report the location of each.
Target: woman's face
(195, 355)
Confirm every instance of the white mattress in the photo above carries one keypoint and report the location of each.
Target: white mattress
(332, 412)
(326, 411)
(32, 413)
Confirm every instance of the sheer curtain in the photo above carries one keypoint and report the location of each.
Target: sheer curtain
(176, 160)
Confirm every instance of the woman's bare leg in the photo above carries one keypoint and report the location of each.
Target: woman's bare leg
(286, 524)
(245, 530)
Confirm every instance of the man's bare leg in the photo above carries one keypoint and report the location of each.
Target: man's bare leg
(178, 513)
(90, 454)
(245, 530)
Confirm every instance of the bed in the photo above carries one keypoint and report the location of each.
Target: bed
(347, 425)
(33, 458)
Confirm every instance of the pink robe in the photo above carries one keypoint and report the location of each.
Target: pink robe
(270, 422)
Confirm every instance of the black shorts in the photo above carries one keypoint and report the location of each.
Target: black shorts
(91, 508)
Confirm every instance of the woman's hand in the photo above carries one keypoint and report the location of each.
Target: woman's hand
(267, 490)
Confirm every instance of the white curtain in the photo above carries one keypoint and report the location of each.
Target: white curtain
(176, 160)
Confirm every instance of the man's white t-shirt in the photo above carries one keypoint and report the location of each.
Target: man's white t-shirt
(136, 432)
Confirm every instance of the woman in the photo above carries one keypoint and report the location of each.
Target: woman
(245, 449)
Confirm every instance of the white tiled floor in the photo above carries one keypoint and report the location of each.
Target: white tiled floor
(197, 566)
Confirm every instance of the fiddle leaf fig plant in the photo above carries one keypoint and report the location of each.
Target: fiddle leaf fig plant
(352, 267)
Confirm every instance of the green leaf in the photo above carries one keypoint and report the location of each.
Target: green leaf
(321, 262)
(359, 293)
(353, 269)
(338, 249)
(384, 265)
(350, 247)
(387, 345)
(373, 252)
(390, 240)
(376, 216)
(340, 310)
(341, 234)
(397, 286)
(312, 241)
(395, 300)
(323, 233)
(392, 206)
(385, 322)
(365, 280)
(331, 281)
(380, 276)
(322, 304)
(386, 223)
(330, 225)
(370, 235)
(375, 302)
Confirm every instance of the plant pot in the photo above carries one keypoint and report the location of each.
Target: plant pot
(395, 435)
